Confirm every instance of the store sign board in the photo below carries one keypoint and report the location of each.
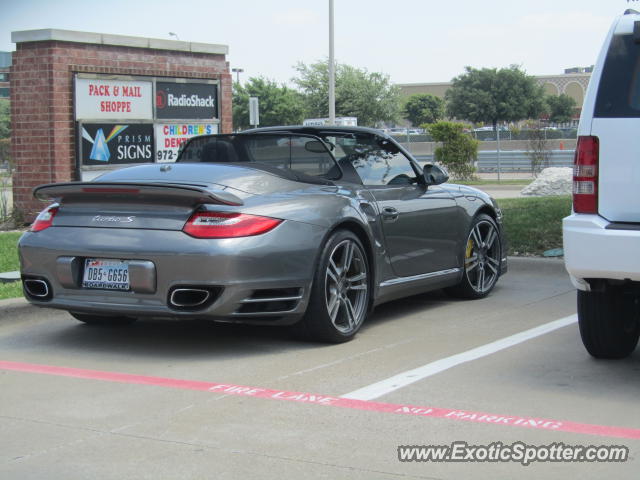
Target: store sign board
(113, 144)
(97, 99)
(186, 100)
(170, 136)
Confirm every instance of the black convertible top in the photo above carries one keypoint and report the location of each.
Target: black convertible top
(294, 156)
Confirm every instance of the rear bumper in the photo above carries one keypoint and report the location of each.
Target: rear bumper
(240, 271)
(593, 251)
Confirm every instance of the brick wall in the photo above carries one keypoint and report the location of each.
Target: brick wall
(43, 143)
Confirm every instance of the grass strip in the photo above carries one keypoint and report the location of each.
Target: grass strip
(9, 251)
(9, 263)
(534, 224)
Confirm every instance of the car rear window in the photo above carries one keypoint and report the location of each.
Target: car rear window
(302, 154)
(619, 90)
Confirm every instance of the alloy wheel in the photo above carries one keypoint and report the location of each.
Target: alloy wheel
(482, 256)
(346, 284)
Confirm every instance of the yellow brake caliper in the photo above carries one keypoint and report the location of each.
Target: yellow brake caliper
(469, 251)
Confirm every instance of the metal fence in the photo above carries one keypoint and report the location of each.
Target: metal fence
(490, 135)
(512, 161)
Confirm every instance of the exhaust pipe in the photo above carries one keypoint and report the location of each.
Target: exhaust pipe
(37, 288)
(188, 297)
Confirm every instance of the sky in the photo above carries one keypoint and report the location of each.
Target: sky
(413, 41)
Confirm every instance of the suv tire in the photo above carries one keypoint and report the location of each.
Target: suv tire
(608, 323)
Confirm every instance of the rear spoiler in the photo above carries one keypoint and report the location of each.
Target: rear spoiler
(127, 191)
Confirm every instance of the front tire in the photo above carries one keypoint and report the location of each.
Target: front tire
(103, 320)
(608, 322)
(482, 260)
(340, 293)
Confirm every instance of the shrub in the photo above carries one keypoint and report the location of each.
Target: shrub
(5, 152)
(538, 150)
(458, 150)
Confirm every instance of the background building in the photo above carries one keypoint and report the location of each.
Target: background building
(573, 83)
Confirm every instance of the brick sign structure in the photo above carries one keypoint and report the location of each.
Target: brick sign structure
(85, 101)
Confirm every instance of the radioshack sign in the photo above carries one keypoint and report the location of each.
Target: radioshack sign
(98, 99)
(186, 100)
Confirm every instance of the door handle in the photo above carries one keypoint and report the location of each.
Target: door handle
(390, 214)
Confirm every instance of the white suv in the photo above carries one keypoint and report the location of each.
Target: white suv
(602, 236)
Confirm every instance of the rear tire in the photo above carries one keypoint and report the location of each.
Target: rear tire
(339, 301)
(103, 320)
(608, 323)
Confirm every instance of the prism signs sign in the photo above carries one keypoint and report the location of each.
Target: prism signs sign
(111, 144)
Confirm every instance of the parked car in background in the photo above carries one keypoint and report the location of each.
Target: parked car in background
(602, 235)
(309, 226)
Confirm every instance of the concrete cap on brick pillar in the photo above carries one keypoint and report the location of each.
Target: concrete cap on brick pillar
(48, 34)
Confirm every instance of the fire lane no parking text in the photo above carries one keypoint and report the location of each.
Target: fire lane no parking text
(331, 401)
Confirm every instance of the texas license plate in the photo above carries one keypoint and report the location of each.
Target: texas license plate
(106, 274)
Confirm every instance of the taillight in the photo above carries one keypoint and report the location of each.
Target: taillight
(44, 218)
(585, 175)
(228, 225)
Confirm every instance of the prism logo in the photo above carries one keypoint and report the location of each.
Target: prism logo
(100, 151)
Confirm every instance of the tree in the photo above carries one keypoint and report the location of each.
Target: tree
(5, 131)
(370, 96)
(561, 108)
(5, 119)
(279, 104)
(458, 150)
(538, 149)
(490, 96)
(424, 108)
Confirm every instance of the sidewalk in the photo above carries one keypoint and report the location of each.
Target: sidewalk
(505, 176)
(502, 191)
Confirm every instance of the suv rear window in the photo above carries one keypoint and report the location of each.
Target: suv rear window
(619, 91)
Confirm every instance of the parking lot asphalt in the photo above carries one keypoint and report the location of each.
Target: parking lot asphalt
(168, 399)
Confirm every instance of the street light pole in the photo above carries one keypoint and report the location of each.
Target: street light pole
(332, 70)
(237, 71)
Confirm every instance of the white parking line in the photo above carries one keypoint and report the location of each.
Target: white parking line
(403, 379)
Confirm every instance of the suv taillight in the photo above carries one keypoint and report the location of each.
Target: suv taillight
(585, 175)
(228, 225)
(44, 218)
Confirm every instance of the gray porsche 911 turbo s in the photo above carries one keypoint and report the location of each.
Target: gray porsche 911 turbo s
(303, 226)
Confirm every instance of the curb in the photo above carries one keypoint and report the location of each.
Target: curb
(551, 265)
(538, 260)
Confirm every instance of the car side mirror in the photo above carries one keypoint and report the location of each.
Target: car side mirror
(434, 175)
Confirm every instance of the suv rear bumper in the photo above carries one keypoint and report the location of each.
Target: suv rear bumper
(593, 251)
